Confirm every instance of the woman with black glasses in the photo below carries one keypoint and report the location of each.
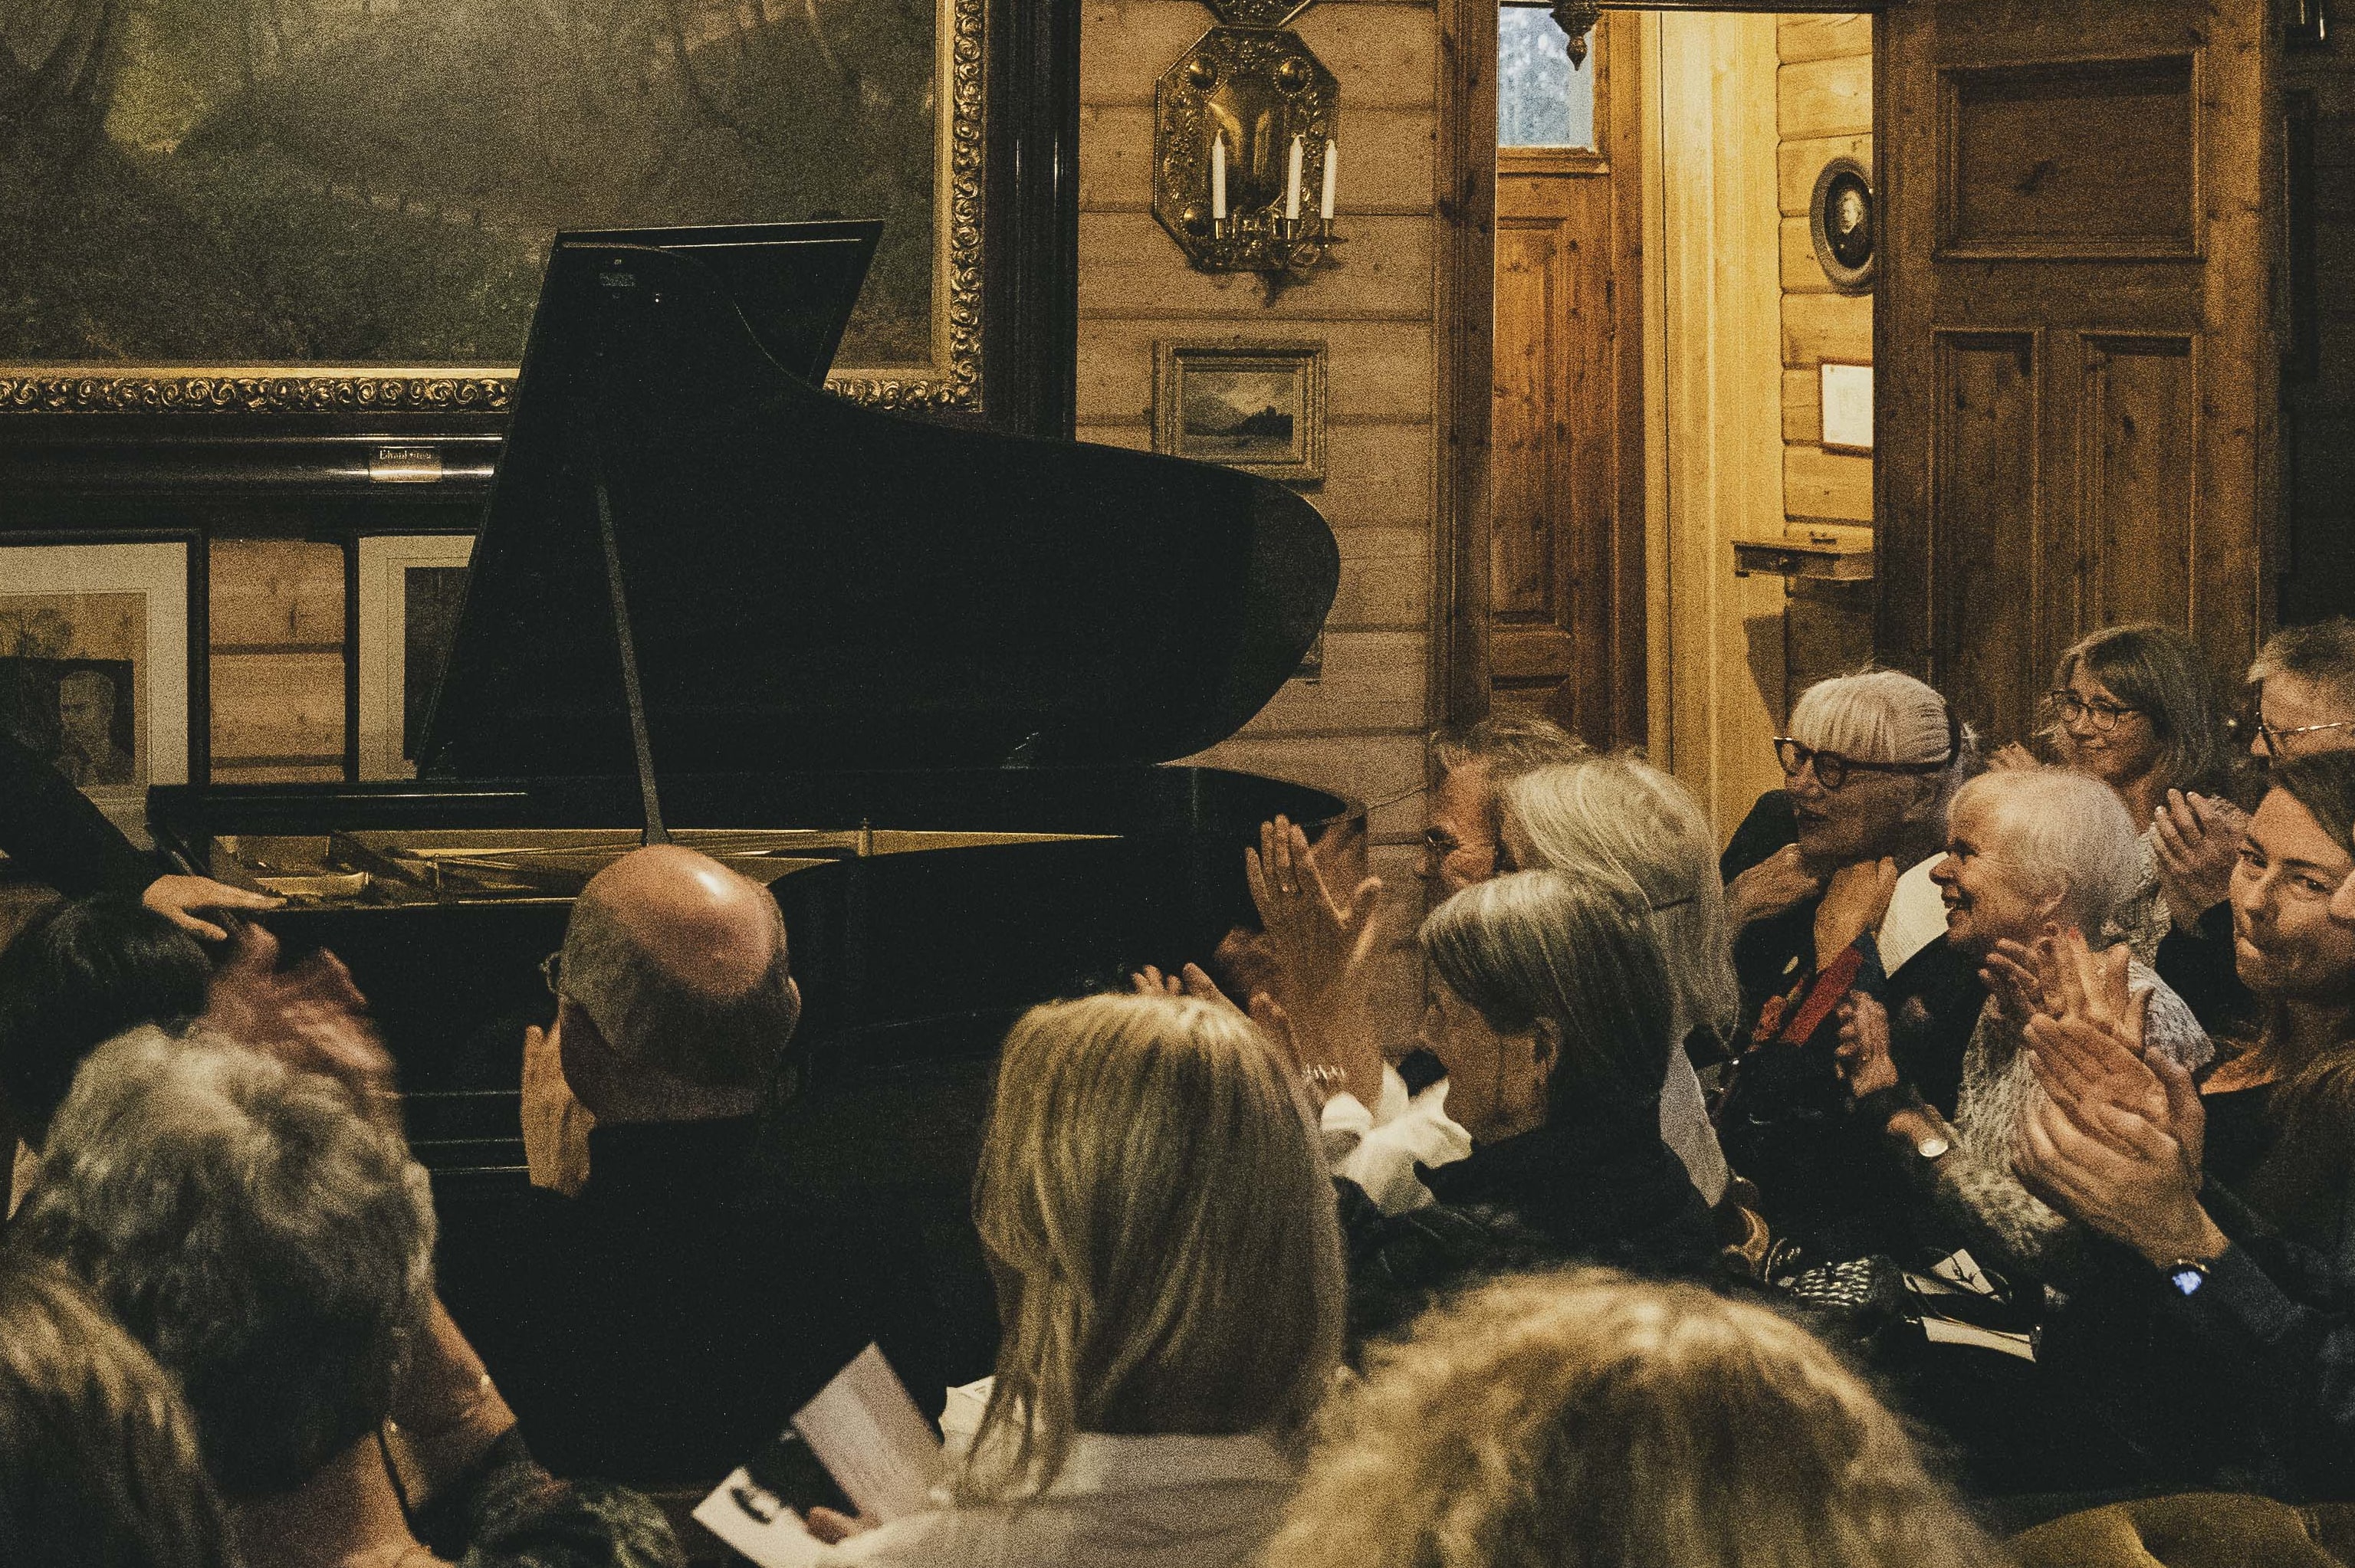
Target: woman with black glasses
(1827, 889)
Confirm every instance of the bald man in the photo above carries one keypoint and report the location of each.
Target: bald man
(656, 1324)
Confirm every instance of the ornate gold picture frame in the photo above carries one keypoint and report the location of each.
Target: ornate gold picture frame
(347, 212)
(1258, 405)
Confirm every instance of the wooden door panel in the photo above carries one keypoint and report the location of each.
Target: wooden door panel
(2073, 333)
(1554, 482)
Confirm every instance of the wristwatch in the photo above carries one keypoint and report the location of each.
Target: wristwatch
(2185, 1275)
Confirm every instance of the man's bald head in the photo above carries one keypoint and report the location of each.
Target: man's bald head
(680, 964)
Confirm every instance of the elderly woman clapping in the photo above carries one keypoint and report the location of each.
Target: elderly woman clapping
(1828, 890)
(2028, 852)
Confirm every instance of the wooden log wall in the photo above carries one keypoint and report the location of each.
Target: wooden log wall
(1360, 727)
(1823, 111)
(277, 661)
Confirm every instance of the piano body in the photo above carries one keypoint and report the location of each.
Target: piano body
(915, 678)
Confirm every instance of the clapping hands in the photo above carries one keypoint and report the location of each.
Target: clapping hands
(2197, 841)
(309, 1014)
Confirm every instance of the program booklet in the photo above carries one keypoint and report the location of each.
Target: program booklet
(866, 1438)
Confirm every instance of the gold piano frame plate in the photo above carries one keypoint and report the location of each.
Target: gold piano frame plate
(952, 380)
(342, 869)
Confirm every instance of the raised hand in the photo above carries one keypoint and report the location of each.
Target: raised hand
(2012, 757)
(2129, 1179)
(556, 1125)
(1780, 882)
(1316, 938)
(2196, 842)
(310, 1015)
(1863, 1055)
(1192, 980)
(1854, 902)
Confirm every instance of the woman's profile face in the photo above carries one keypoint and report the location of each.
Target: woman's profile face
(1864, 818)
(2284, 942)
(2119, 755)
(1989, 896)
(1496, 1080)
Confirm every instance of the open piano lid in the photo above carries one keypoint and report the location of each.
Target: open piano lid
(810, 584)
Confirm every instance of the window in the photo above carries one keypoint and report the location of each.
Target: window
(1541, 100)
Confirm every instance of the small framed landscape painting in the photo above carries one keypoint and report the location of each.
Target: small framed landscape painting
(95, 664)
(1259, 407)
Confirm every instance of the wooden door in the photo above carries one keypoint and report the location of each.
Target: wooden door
(1566, 542)
(2077, 370)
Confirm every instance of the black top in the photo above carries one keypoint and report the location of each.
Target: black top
(1786, 1123)
(663, 1325)
(1585, 1191)
(2199, 966)
(50, 829)
(2240, 1132)
(811, 584)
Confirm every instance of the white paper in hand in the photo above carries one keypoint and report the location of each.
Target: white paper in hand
(867, 1433)
(872, 1439)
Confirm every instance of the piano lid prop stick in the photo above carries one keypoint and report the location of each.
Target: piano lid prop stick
(632, 694)
(1292, 185)
(1218, 177)
(1332, 163)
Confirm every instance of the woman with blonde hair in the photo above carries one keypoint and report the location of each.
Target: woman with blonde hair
(1621, 820)
(1158, 1217)
(1588, 1421)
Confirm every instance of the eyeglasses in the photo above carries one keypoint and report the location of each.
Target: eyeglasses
(2271, 738)
(2070, 708)
(1832, 769)
(552, 972)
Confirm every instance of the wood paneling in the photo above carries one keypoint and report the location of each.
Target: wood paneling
(1984, 576)
(1817, 327)
(2135, 423)
(2317, 569)
(1826, 487)
(1825, 97)
(274, 593)
(277, 708)
(2087, 159)
(1361, 724)
(1799, 38)
(1798, 160)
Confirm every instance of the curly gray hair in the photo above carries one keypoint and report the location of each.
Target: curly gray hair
(270, 1246)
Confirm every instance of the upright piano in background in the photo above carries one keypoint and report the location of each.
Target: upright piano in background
(915, 678)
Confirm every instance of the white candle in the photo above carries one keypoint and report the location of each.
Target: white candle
(1292, 185)
(1332, 162)
(1219, 178)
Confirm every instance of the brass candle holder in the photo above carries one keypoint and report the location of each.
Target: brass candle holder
(1251, 94)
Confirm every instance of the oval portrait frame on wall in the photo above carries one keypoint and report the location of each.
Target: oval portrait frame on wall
(1840, 219)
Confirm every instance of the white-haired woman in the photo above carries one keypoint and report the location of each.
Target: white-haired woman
(1588, 1421)
(1169, 1266)
(1554, 1019)
(2028, 852)
(272, 1246)
(1620, 819)
(1829, 890)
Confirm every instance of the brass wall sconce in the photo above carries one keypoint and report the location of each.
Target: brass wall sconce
(1246, 154)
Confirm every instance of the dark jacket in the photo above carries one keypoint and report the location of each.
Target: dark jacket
(1784, 1122)
(1582, 1190)
(509, 1513)
(2199, 966)
(663, 1325)
(51, 830)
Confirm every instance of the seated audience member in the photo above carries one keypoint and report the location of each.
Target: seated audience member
(2254, 1285)
(98, 1457)
(1554, 1019)
(2139, 708)
(2303, 681)
(1829, 890)
(692, 1294)
(1618, 817)
(1587, 1421)
(1467, 817)
(272, 1246)
(1162, 1228)
(77, 975)
(2026, 850)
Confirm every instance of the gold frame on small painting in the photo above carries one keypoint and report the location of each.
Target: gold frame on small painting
(950, 381)
(1175, 360)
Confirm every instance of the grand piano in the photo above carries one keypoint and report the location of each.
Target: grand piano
(915, 678)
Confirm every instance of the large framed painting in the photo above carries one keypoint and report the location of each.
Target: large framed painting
(95, 667)
(345, 204)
